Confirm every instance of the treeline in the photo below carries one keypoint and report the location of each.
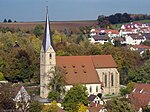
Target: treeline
(9, 21)
(105, 21)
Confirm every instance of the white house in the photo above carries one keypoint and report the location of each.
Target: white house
(134, 39)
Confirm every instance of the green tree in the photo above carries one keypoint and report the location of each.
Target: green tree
(5, 21)
(146, 109)
(77, 94)
(38, 30)
(56, 83)
(119, 105)
(128, 89)
(35, 107)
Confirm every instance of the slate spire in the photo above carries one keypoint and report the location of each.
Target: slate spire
(47, 40)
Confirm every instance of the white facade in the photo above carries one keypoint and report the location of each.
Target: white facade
(134, 41)
(101, 41)
(91, 88)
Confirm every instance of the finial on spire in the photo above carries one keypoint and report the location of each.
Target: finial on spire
(47, 6)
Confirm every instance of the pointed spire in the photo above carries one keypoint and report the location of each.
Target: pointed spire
(47, 40)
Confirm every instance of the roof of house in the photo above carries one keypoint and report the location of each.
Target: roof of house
(82, 69)
(140, 96)
(100, 37)
(93, 107)
(92, 97)
(136, 36)
(141, 46)
(147, 35)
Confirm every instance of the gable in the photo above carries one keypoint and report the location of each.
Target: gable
(103, 61)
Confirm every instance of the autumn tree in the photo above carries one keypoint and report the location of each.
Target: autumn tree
(6, 98)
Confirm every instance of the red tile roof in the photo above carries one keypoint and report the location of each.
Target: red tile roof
(141, 46)
(82, 69)
(140, 96)
(93, 107)
(103, 61)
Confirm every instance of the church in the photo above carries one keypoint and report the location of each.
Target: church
(97, 72)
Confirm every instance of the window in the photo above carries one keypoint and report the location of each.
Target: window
(50, 56)
(112, 79)
(105, 80)
(90, 89)
(96, 88)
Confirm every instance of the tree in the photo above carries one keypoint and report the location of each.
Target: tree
(119, 105)
(146, 109)
(5, 21)
(56, 83)
(38, 30)
(53, 107)
(35, 107)
(1, 76)
(81, 107)
(128, 89)
(77, 94)
(9, 20)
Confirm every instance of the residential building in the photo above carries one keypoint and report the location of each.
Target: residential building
(140, 48)
(140, 96)
(134, 39)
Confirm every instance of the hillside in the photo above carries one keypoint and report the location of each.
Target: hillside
(55, 25)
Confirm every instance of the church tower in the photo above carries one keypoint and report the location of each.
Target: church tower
(47, 59)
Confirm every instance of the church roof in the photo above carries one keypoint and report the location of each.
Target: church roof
(82, 69)
(47, 40)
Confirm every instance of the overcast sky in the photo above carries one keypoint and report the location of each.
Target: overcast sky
(64, 10)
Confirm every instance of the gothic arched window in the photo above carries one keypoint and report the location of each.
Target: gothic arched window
(112, 79)
(105, 80)
(50, 56)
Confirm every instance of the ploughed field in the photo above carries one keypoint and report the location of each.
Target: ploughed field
(55, 25)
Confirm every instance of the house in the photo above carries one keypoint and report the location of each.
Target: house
(140, 48)
(140, 96)
(134, 39)
(95, 99)
(98, 73)
(146, 35)
(102, 39)
(21, 94)
(134, 28)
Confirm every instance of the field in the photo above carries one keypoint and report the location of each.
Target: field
(55, 25)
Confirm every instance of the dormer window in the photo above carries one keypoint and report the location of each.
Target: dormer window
(73, 66)
(83, 66)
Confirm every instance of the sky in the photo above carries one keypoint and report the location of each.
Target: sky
(68, 10)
